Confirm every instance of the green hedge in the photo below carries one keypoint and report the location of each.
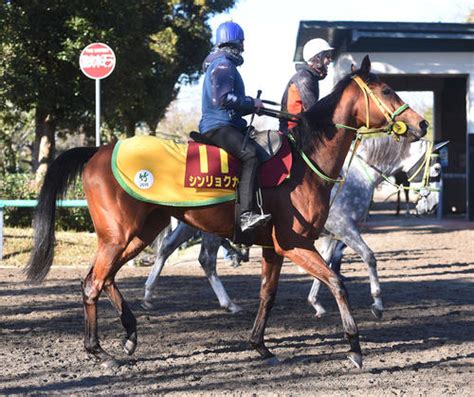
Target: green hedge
(20, 187)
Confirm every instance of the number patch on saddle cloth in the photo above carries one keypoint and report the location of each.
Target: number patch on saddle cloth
(209, 167)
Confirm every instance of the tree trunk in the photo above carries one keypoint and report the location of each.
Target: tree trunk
(44, 146)
(130, 128)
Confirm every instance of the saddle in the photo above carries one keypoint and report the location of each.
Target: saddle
(269, 142)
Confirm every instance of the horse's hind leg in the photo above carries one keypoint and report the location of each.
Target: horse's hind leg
(111, 256)
(327, 249)
(126, 316)
(271, 268)
(171, 242)
(311, 261)
(236, 255)
(207, 258)
(92, 286)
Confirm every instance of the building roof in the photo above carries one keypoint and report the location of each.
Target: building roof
(347, 36)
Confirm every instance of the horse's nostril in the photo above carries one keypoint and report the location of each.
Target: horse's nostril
(424, 125)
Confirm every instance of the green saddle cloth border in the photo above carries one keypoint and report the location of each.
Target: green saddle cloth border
(137, 196)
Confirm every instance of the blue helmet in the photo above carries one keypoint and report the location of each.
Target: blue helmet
(229, 32)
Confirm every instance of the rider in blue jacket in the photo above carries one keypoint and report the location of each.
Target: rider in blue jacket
(224, 104)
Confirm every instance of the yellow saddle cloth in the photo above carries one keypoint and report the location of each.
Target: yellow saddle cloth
(153, 170)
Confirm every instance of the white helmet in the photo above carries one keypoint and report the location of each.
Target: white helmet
(315, 46)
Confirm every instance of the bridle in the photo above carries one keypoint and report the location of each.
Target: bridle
(393, 127)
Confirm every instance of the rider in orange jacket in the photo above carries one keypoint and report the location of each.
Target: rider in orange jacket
(302, 91)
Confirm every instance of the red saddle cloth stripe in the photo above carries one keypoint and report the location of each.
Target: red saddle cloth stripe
(204, 167)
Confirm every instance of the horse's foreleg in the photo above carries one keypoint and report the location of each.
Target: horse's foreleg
(397, 210)
(407, 201)
(336, 258)
(271, 268)
(171, 242)
(327, 248)
(208, 258)
(355, 241)
(311, 261)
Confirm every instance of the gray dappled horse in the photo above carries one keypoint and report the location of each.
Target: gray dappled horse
(351, 206)
(376, 156)
(169, 241)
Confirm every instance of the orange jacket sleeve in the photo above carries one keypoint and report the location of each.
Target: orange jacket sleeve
(294, 104)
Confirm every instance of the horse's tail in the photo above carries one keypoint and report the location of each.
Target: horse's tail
(61, 173)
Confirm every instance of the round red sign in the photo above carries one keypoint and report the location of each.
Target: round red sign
(97, 61)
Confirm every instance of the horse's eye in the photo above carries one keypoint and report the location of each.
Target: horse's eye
(386, 91)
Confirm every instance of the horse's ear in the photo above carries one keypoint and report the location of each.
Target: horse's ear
(365, 67)
(353, 68)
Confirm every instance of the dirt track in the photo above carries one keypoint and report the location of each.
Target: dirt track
(424, 345)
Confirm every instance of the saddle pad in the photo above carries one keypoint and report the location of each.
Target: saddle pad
(152, 169)
(156, 170)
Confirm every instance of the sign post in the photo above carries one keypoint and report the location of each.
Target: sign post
(97, 61)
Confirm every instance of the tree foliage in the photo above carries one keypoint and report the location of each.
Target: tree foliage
(157, 43)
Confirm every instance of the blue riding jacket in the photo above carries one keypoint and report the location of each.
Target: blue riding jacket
(223, 93)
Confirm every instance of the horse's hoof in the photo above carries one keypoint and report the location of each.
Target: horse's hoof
(234, 309)
(261, 349)
(377, 313)
(272, 361)
(320, 313)
(235, 263)
(356, 359)
(147, 305)
(129, 346)
(110, 363)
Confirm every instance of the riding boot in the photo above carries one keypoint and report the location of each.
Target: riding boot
(231, 140)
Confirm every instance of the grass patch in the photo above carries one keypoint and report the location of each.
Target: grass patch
(72, 248)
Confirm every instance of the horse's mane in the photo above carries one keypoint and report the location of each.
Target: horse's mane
(385, 152)
(317, 120)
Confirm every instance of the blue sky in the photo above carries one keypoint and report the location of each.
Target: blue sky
(271, 26)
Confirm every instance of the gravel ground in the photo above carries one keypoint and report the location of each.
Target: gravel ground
(188, 345)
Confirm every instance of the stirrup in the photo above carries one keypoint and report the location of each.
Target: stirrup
(250, 220)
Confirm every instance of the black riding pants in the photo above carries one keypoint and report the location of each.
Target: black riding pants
(231, 140)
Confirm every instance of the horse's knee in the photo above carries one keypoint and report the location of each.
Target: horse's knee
(369, 258)
(338, 288)
(165, 251)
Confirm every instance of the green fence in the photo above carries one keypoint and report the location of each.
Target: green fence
(31, 203)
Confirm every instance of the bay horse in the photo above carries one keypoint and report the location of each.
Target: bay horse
(376, 159)
(299, 208)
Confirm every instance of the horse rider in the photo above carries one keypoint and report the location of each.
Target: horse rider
(224, 104)
(302, 91)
